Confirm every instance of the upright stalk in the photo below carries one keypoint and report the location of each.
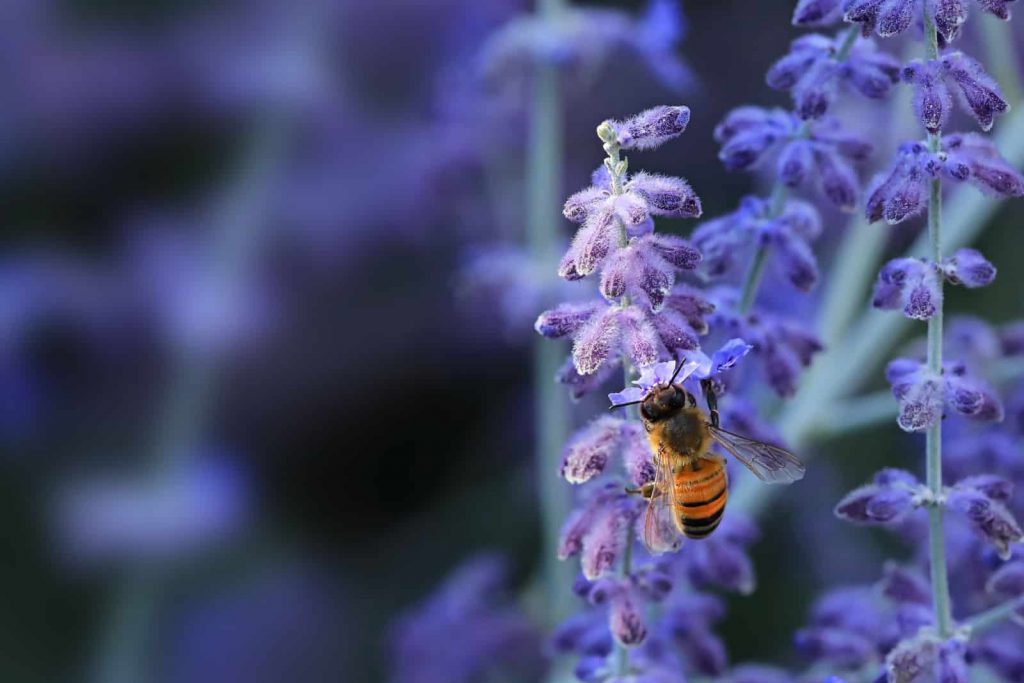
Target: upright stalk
(551, 411)
(933, 437)
(180, 421)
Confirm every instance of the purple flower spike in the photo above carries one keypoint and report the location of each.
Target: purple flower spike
(588, 452)
(651, 128)
(989, 517)
(817, 13)
(909, 284)
(969, 268)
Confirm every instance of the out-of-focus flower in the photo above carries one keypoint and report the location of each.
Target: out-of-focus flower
(782, 346)
(467, 630)
(849, 628)
(820, 150)
(812, 74)
(580, 41)
(888, 499)
(292, 611)
(723, 240)
(159, 518)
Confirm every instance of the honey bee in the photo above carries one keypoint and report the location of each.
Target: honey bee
(690, 480)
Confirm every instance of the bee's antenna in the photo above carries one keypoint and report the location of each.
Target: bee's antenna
(679, 366)
(623, 405)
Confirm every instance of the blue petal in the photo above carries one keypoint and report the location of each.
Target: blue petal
(730, 353)
(627, 395)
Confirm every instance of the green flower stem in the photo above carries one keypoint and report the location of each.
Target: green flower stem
(621, 651)
(544, 162)
(992, 617)
(755, 273)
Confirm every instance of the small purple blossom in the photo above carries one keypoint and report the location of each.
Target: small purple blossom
(651, 128)
(812, 74)
(901, 192)
(751, 134)
(983, 507)
(887, 500)
(723, 239)
(589, 451)
(849, 628)
(472, 608)
(936, 81)
(922, 394)
(892, 17)
(911, 285)
(696, 365)
(782, 345)
(722, 559)
(817, 13)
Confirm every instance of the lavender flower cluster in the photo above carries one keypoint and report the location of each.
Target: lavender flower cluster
(647, 612)
(941, 624)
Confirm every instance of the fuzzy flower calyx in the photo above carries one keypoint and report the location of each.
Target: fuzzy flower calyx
(902, 191)
(812, 72)
(923, 394)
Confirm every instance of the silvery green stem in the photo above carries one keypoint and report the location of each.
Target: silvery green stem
(178, 426)
(993, 616)
(621, 651)
(933, 437)
(551, 411)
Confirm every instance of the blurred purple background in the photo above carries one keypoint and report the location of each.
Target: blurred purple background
(253, 405)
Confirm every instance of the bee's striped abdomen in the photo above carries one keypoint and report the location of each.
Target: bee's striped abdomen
(700, 498)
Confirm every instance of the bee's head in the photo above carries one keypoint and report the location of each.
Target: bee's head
(662, 401)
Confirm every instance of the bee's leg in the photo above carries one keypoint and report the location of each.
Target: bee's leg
(691, 399)
(646, 491)
(709, 395)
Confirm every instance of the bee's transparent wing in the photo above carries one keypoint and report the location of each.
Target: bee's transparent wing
(660, 534)
(769, 463)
